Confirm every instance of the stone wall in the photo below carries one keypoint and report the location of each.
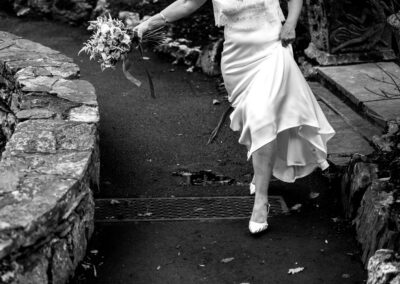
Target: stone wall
(50, 164)
(371, 200)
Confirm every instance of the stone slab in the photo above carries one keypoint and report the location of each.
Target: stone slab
(51, 136)
(7, 36)
(38, 84)
(34, 46)
(36, 196)
(344, 112)
(65, 71)
(49, 102)
(366, 86)
(350, 137)
(84, 113)
(67, 165)
(387, 109)
(78, 91)
(35, 114)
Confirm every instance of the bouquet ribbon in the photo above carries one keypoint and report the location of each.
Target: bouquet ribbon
(126, 64)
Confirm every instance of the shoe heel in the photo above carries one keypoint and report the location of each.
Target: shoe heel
(252, 188)
(256, 228)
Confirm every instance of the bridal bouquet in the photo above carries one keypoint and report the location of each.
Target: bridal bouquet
(112, 41)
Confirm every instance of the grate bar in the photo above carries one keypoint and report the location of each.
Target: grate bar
(181, 208)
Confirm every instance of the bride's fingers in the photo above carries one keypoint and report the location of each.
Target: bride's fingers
(287, 40)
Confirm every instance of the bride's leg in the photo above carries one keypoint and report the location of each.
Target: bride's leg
(263, 162)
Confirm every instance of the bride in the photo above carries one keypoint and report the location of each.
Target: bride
(279, 119)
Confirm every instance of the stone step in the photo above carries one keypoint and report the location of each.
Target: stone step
(353, 132)
(373, 89)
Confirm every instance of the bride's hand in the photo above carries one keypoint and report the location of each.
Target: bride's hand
(140, 29)
(288, 34)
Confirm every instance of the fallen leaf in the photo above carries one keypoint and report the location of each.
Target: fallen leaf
(201, 265)
(326, 241)
(314, 195)
(158, 267)
(216, 102)
(94, 251)
(295, 270)
(227, 260)
(335, 220)
(190, 69)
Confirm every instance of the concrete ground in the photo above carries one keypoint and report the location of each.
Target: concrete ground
(144, 140)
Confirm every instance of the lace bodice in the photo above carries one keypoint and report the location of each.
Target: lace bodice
(246, 12)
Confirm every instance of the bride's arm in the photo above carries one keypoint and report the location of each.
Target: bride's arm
(288, 32)
(294, 7)
(175, 11)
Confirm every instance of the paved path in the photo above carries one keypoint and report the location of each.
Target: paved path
(143, 141)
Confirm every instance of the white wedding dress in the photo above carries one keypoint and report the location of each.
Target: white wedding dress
(270, 97)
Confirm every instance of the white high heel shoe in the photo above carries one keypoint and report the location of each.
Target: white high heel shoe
(255, 227)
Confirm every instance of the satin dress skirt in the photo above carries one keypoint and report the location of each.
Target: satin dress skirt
(272, 100)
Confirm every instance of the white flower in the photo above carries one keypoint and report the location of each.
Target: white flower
(104, 28)
(126, 39)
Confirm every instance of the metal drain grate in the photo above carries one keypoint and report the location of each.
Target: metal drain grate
(181, 208)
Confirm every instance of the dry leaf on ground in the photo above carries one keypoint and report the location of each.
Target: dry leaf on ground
(228, 259)
(295, 270)
(296, 207)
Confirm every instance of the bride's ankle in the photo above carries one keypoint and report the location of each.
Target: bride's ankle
(261, 199)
